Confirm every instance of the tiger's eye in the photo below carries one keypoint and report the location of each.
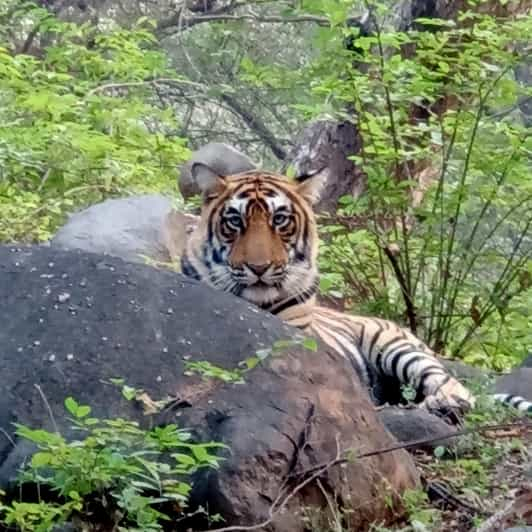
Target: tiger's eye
(279, 219)
(234, 221)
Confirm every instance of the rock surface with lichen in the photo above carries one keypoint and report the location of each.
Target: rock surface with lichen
(72, 320)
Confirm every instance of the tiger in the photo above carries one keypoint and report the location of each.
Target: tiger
(257, 238)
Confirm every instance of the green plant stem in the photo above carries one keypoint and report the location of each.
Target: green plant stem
(464, 271)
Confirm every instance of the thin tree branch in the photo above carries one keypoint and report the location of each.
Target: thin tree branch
(257, 125)
(178, 17)
(190, 21)
(407, 296)
(149, 82)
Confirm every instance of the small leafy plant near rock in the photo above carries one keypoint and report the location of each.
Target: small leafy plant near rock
(115, 472)
(208, 370)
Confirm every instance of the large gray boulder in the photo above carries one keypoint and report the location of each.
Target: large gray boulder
(136, 229)
(221, 157)
(125, 227)
(73, 320)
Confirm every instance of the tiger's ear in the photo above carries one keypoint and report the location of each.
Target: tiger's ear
(208, 180)
(311, 186)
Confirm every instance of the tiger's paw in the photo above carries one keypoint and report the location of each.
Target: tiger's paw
(450, 396)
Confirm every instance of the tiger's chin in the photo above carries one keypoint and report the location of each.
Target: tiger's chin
(265, 294)
(261, 294)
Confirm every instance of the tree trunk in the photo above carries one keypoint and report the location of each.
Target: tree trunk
(325, 147)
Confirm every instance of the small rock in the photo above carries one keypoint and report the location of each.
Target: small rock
(411, 424)
(63, 297)
(517, 382)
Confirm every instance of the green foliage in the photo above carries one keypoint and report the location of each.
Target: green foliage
(211, 371)
(128, 471)
(37, 517)
(470, 469)
(236, 376)
(442, 237)
(420, 514)
(77, 122)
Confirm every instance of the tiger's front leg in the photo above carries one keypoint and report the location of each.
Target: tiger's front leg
(443, 392)
(423, 372)
(382, 347)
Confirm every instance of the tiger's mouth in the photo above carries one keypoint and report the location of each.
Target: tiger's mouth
(261, 283)
(247, 279)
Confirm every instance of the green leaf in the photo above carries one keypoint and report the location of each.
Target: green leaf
(184, 459)
(42, 459)
(437, 22)
(281, 345)
(251, 362)
(83, 411)
(439, 451)
(72, 406)
(311, 344)
(129, 392)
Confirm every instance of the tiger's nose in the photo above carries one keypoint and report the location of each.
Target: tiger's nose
(259, 269)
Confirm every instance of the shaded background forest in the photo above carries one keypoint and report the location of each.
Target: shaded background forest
(419, 112)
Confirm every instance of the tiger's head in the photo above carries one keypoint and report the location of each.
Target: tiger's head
(257, 237)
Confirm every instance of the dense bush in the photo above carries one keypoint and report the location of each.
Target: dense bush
(67, 137)
(442, 237)
(115, 472)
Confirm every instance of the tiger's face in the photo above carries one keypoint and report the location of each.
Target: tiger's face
(257, 236)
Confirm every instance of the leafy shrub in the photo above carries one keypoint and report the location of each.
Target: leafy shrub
(68, 134)
(442, 238)
(116, 469)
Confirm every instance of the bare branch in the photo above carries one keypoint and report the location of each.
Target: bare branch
(256, 124)
(407, 296)
(149, 82)
(225, 14)
(177, 19)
